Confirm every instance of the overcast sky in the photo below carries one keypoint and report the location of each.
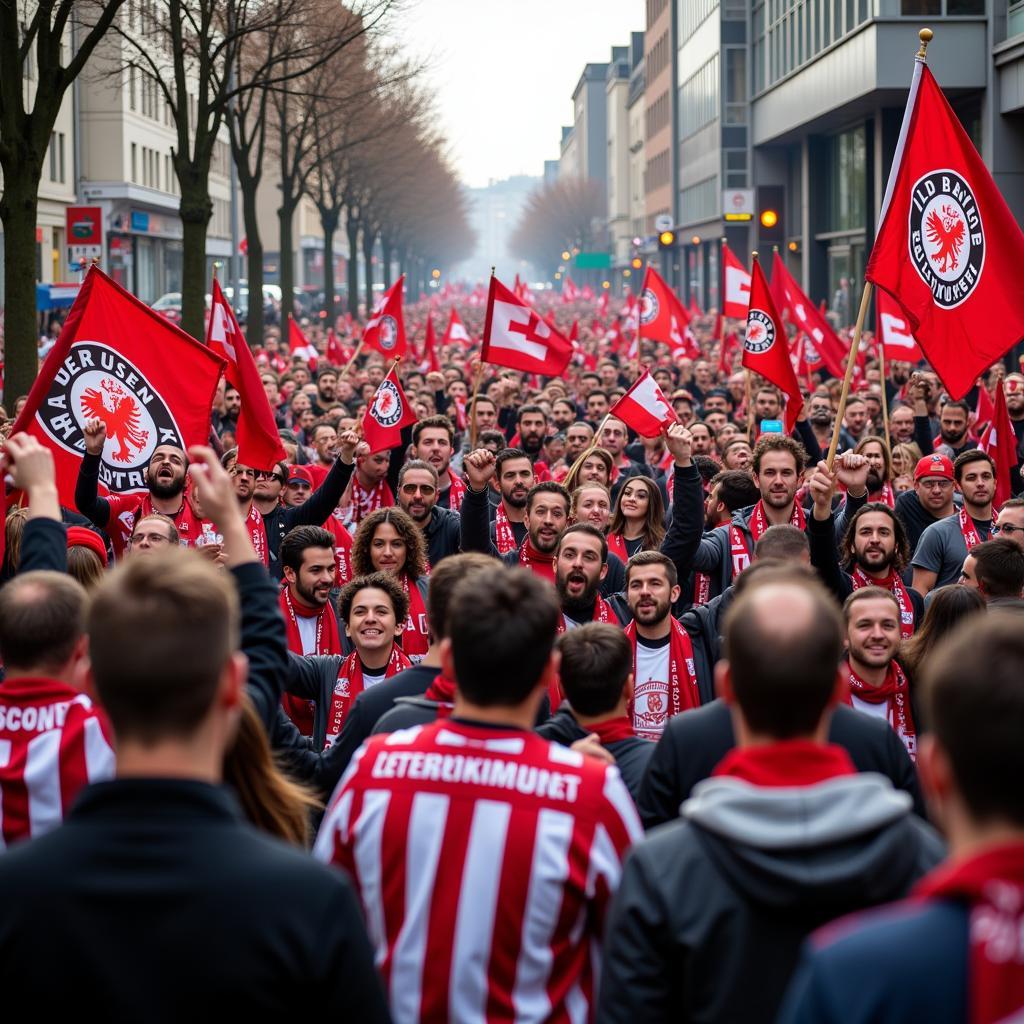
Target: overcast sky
(504, 72)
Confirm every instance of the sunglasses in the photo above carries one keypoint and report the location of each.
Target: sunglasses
(266, 474)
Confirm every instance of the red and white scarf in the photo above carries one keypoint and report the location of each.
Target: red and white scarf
(504, 536)
(536, 561)
(859, 578)
(886, 495)
(786, 763)
(366, 501)
(258, 534)
(186, 522)
(327, 641)
(415, 639)
(617, 546)
(895, 691)
(646, 711)
(991, 883)
(740, 550)
(968, 529)
(456, 491)
(612, 730)
(350, 685)
(602, 613)
(342, 548)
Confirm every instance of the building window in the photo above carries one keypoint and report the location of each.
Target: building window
(735, 85)
(735, 165)
(693, 14)
(847, 183)
(57, 172)
(699, 202)
(134, 175)
(131, 89)
(699, 99)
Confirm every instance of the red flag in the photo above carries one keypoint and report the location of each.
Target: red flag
(515, 336)
(385, 330)
(766, 347)
(387, 414)
(805, 316)
(693, 309)
(985, 411)
(299, 345)
(570, 293)
(736, 300)
(335, 350)
(894, 331)
(259, 444)
(602, 305)
(644, 407)
(455, 331)
(574, 331)
(655, 308)
(430, 360)
(1000, 441)
(948, 249)
(144, 377)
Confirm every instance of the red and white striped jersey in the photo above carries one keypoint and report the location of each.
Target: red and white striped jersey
(485, 859)
(53, 741)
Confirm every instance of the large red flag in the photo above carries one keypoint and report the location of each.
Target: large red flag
(456, 330)
(515, 336)
(805, 316)
(662, 317)
(144, 377)
(1000, 441)
(894, 331)
(948, 249)
(259, 444)
(299, 345)
(644, 407)
(387, 414)
(766, 347)
(736, 300)
(385, 330)
(430, 361)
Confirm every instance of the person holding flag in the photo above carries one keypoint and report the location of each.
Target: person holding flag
(517, 337)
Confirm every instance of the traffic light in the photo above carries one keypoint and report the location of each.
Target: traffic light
(666, 239)
(771, 229)
(637, 263)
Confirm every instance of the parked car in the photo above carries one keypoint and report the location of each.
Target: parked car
(169, 305)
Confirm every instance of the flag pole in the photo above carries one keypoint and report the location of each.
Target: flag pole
(851, 361)
(748, 384)
(476, 393)
(355, 356)
(885, 397)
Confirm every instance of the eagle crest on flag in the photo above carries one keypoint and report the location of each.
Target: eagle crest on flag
(122, 420)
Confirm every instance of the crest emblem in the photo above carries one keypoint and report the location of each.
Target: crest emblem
(388, 336)
(387, 404)
(946, 237)
(649, 306)
(760, 334)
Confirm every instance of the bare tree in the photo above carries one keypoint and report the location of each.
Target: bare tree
(43, 49)
(199, 52)
(557, 216)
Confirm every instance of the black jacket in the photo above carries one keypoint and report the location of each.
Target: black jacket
(712, 910)
(631, 754)
(159, 903)
(443, 534)
(694, 743)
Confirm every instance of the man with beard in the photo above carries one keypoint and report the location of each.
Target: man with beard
(597, 406)
(563, 414)
(232, 410)
(878, 685)
(513, 471)
(418, 495)
(778, 463)
(729, 491)
(581, 563)
(940, 553)
(323, 439)
(326, 390)
(953, 422)
(820, 417)
(531, 425)
(307, 557)
(165, 477)
(930, 501)
(433, 442)
(874, 548)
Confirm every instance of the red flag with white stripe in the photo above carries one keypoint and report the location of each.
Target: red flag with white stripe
(1000, 441)
(456, 330)
(299, 346)
(644, 407)
(736, 300)
(517, 337)
(259, 444)
(894, 331)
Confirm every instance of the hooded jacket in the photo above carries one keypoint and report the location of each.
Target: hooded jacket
(709, 918)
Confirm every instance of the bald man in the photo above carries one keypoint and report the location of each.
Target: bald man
(785, 836)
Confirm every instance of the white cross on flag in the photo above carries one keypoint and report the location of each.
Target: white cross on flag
(517, 337)
(737, 286)
(894, 331)
(644, 407)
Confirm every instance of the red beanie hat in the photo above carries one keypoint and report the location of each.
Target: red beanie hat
(80, 536)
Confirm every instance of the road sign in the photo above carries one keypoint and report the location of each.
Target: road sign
(738, 204)
(84, 228)
(593, 260)
(663, 222)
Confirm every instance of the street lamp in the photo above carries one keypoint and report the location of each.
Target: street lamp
(566, 255)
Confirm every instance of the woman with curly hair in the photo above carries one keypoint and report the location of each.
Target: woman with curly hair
(638, 522)
(389, 541)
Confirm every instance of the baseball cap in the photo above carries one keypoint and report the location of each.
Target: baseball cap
(301, 475)
(934, 465)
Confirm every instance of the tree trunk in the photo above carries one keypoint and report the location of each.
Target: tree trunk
(286, 218)
(195, 211)
(352, 231)
(329, 223)
(18, 210)
(254, 326)
(369, 241)
(385, 248)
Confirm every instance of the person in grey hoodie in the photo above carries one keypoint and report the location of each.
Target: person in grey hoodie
(712, 908)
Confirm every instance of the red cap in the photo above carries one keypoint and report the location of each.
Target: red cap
(934, 465)
(300, 474)
(82, 537)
